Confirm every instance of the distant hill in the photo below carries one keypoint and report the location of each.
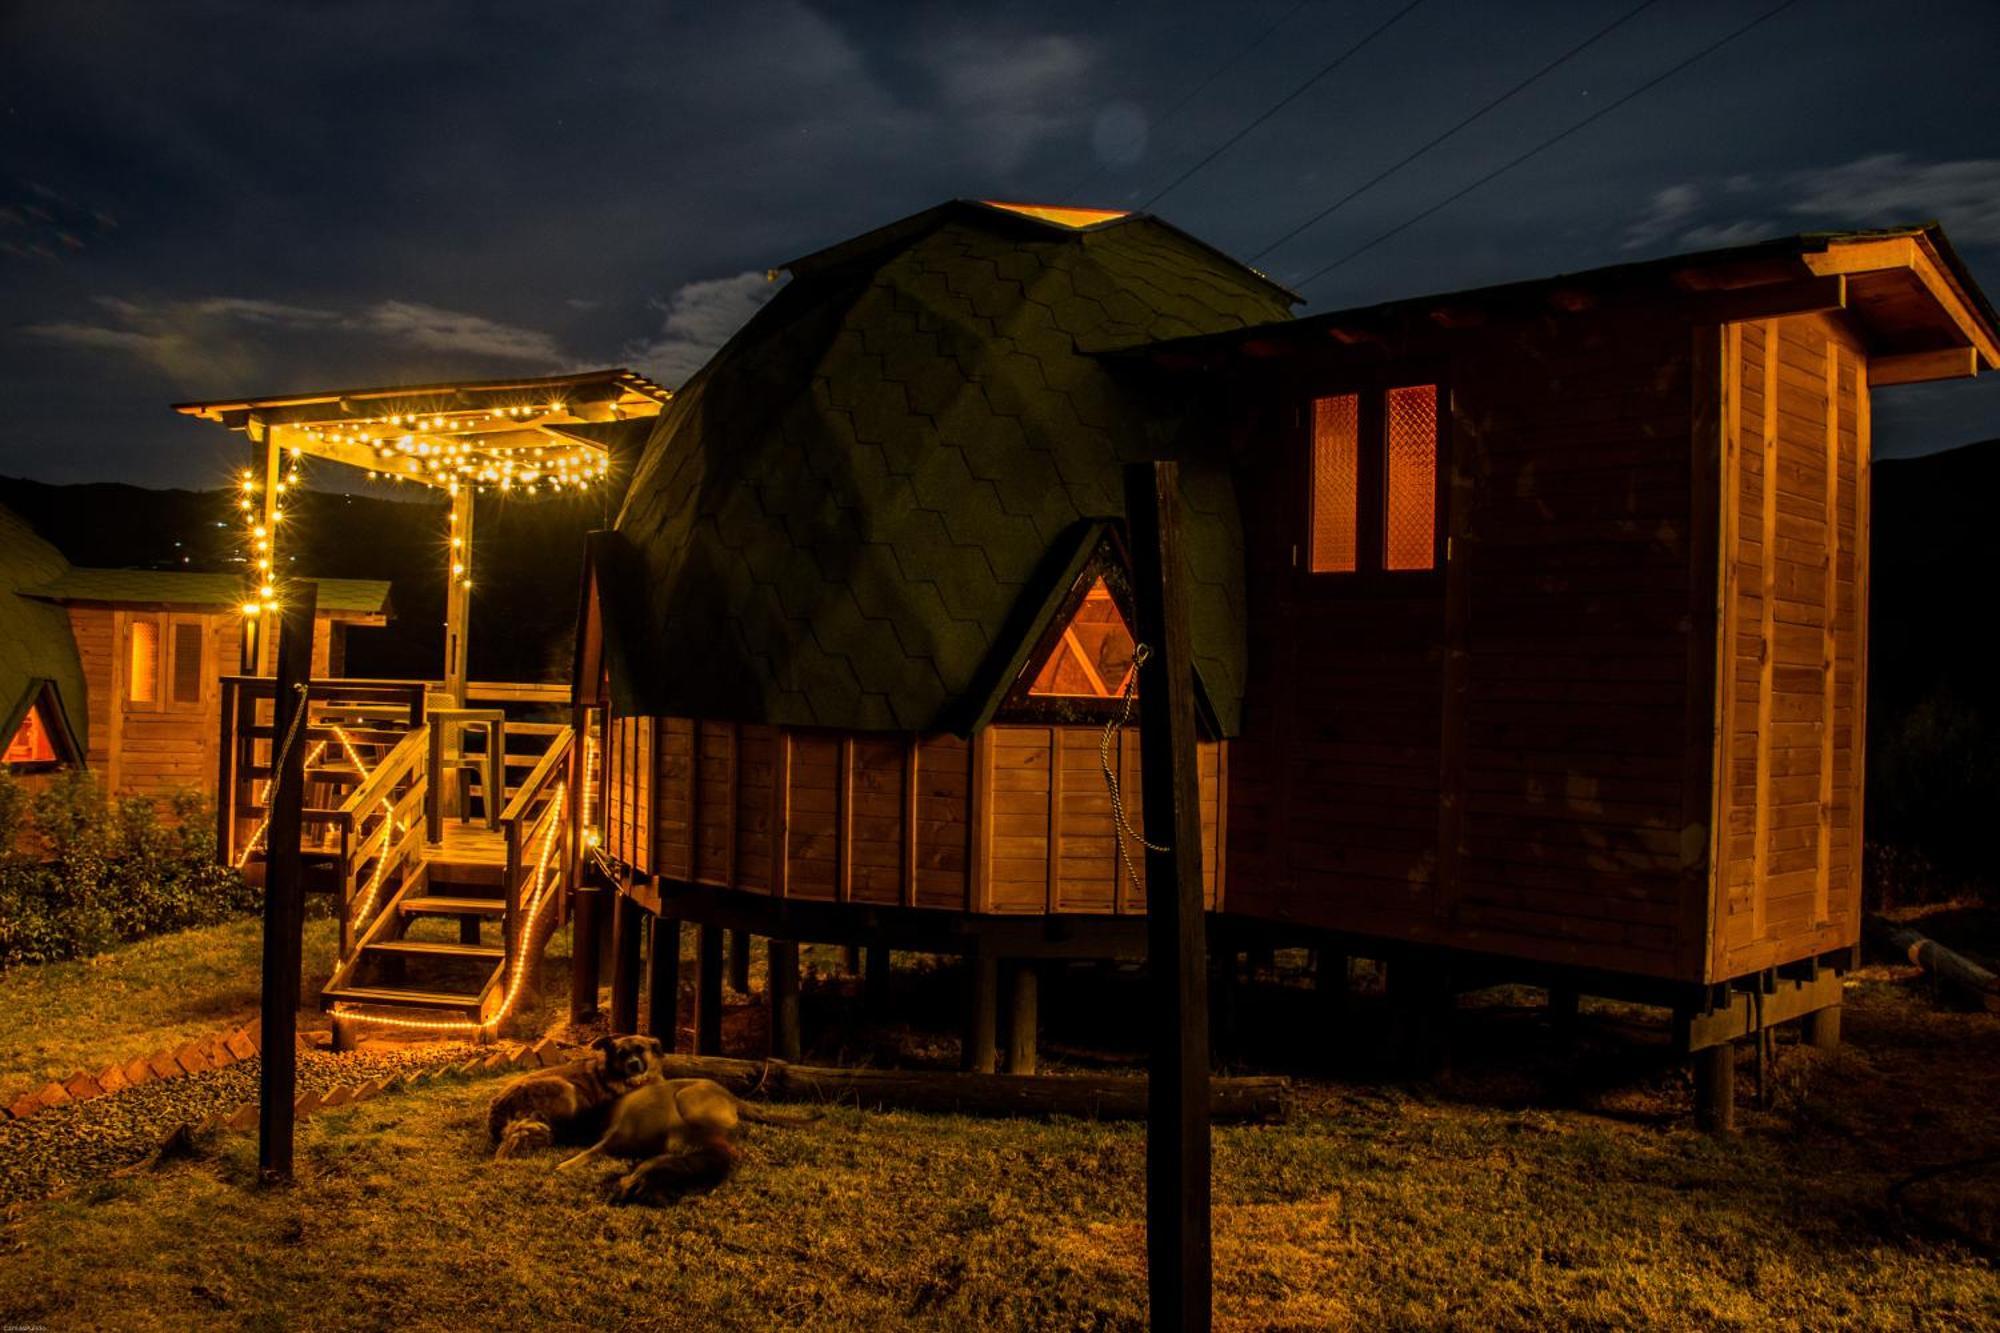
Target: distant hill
(526, 574)
(1934, 681)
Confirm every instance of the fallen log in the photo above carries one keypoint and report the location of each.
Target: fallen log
(1953, 972)
(1097, 1096)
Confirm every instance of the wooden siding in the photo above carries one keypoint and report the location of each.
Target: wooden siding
(1788, 850)
(1017, 821)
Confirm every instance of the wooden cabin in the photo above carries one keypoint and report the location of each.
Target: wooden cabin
(120, 669)
(1512, 665)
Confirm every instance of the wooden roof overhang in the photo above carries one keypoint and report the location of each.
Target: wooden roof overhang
(1904, 290)
(525, 433)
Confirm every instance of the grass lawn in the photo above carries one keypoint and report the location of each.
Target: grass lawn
(1504, 1198)
(61, 1018)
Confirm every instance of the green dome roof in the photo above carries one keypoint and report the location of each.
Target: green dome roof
(854, 515)
(36, 647)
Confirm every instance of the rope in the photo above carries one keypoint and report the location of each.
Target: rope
(1126, 833)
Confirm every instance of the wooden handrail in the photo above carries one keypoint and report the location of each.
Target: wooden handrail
(538, 778)
(409, 753)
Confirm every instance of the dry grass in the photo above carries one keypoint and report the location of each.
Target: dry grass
(1496, 1202)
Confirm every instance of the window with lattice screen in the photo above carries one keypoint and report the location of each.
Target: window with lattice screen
(1093, 658)
(1409, 527)
(188, 635)
(1336, 483)
(142, 672)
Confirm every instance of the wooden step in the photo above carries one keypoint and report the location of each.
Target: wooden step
(437, 949)
(402, 999)
(438, 905)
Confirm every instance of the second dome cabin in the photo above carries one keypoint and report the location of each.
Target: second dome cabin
(1510, 664)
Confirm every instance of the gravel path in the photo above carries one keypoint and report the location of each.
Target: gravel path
(82, 1141)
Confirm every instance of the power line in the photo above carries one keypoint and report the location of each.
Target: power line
(1282, 103)
(1545, 145)
(1200, 88)
(1515, 91)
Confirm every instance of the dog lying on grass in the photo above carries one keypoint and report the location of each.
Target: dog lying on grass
(681, 1127)
(571, 1102)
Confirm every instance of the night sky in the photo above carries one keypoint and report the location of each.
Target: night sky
(206, 199)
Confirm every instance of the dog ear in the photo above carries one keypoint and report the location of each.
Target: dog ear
(603, 1044)
(659, 1047)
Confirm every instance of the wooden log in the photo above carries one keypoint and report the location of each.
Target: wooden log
(784, 994)
(663, 981)
(284, 891)
(708, 991)
(1100, 1096)
(1023, 1016)
(627, 923)
(1953, 972)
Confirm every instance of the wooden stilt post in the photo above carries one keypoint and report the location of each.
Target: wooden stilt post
(627, 922)
(739, 961)
(1023, 1016)
(1823, 1028)
(1178, 1260)
(586, 928)
(1715, 1089)
(284, 889)
(850, 959)
(783, 961)
(708, 991)
(875, 977)
(979, 1052)
(663, 981)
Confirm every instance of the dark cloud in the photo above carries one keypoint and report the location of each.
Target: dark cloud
(221, 197)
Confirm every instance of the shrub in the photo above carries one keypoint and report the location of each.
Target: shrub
(80, 872)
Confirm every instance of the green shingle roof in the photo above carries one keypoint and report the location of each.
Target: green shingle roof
(853, 513)
(172, 587)
(36, 648)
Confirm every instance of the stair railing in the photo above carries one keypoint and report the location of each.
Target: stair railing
(538, 835)
(380, 830)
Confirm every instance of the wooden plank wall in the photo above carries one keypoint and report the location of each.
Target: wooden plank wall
(1788, 880)
(1017, 822)
(152, 750)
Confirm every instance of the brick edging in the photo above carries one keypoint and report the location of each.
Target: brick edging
(193, 1057)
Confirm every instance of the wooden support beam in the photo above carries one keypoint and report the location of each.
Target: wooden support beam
(1822, 1028)
(739, 961)
(979, 1053)
(1023, 1017)
(708, 991)
(783, 988)
(663, 981)
(586, 935)
(628, 923)
(1790, 1000)
(458, 591)
(284, 892)
(1715, 1089)
(1178, 1150)
(1950, 363)
(875, 978)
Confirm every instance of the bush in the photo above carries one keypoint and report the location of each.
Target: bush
(80, 872)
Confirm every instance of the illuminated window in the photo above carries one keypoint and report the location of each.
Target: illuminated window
(1093, 658)
(1410, 525)
(187, 662)
(1335, 482)
(143, 674)
(31, 743)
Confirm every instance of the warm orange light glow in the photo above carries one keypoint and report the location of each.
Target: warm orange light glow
(1093, 658)
(1336, 476)
(1077, 218)
(31, 743)
(142, 684)
(1409, 538)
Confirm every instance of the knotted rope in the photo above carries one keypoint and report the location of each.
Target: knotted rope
(1126, 833)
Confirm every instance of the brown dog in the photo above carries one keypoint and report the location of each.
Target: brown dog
(571, 1101)
(682, 1126)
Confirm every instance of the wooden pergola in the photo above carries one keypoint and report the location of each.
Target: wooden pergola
(521, 437)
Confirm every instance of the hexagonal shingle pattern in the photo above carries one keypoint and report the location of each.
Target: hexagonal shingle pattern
(836, 522)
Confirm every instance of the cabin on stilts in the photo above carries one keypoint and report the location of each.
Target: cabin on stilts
(1528, 622)
(441, 814)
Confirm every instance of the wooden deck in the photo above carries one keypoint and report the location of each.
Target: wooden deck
(470, 853)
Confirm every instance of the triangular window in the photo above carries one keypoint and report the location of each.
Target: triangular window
(1092, 658)
(32, 741)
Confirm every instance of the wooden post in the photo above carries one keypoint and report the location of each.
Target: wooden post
(708, 991)
(1715, 1088)
(783, 961)
(663, 981)
(266, 456)
(1178, 1260)
(1023, 1018)
(739, 961)
(458, 592)
(1823, 1028)
(626, 922)
(979, 1051)
(284, 890)
(585, 931)
(875, 978)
